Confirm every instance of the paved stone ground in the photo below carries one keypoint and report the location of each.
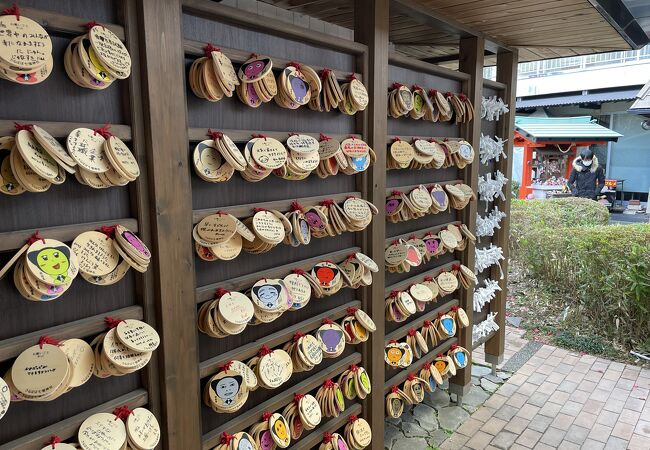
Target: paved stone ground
(555, 400)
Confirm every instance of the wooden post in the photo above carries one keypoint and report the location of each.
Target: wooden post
(506, 73)
(471, 62)
(371, 28)
(165, 136)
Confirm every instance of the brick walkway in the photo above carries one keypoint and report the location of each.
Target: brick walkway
(562, 400)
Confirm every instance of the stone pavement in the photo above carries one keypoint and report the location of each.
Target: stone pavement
(555, 400)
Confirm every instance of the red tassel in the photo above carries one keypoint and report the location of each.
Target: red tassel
(415, 86)
(392, 341)
(298, 271)
(266, 415)
(455, 267)
(325, 73)
(215, 134)
(449, 94)
(226, 438)
(411, 332)
(294, 64)
(324, 137)
(208, 49)
(34, 238)
(108, 230)
(298, 397)
(296, 206)
(453, 347)
(327, 202)
(327, 437)
(21, 126)
(455, 308)
(351, 311)
(394, 293)
(220, 292)
(427, 323)
(411, 377)
(328, 383)
(394, 389)
(351, 77)
(14, 9)
(259, 209)
(428, 278)
(396, 192)
(440, 355)
(89, 25)
(353, 418)
(396, 139)
(103, 131)
(123, 412)
(396, 85)
(264, 351)
(297, 336)
(426, 365)
(226, 366)
(259, 136)
(354, 368)
(54, 440)
(48, 340)
(327, 321)
(112, 322)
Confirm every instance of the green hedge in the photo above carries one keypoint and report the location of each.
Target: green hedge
(601, 272)
(528, 215)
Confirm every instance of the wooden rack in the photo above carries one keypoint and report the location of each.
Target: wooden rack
(156, 113)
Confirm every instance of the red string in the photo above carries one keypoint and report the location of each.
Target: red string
(415, 86)
(432, 140)
(253, 55)
(327, 202)
(412, 237)
(21, 126)
(226, 366)
(394, 389)
(427, 323)
(392, 341)
(103, 131)
(48, 340)
(14, 9)
(215, 134)
(327, 437)
(411, 377)
(328, 383)
(54, 440)
(354, 368)
(324, 137)
(351, 77)
(428, 278)
(264, 351)
(352, 310)
(394, 293)
(260, 210)
(108, 230)
(325, 73)
(440, 355)
(259, 136)
(298, 271)
(411, 332)
(353, 418)
(440, 314)
(220, 292)
(327, 321)
(462, 97)
(34, 238)
(298, 397)
(297, 335)
(352, 136)
(455, 308)
(123, 412)
(294, 64)
(453, 347)
(449, 94)
(293, 133)
(296, 206)
(90, 25)
(426, 365)
(226, 438)
(208, 49)
(396, 192)
(112, 322)
(266, 415)
(433, 92)
(396, 85)
(396, 139)
(395, 242)
(455, 267)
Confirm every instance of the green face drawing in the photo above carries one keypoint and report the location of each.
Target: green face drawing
(54, 261)
(364, 380)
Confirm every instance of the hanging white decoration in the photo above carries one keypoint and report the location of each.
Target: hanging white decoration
(489, 256)
(490, 149)
(483, 329)
(492, 108)
(489, 189)
(485, 294)
(485, 226)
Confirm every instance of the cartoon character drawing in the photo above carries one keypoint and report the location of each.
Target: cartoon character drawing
(227, 388)
(254, 69)
(365, 381)
(27, 78)
(394, 356)
(268, 294)
(314, 220)
(447, 325)
(136, 243)
(266, 441)
(341, 444)
(54, 261)
(359, 163)
(440, 365)
(418, 103)
(439, 197)
(361, 332)
(246, 444)
(280, 430)
(392, 205)
(461, 361)
(299, 87)
(253, 98)
(304, 229)
(432, 245)
(331, 338)
(326, 275)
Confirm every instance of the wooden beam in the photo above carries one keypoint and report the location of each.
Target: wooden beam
(165, 136)
(372, 28)
(61, 130)
(421, 66)
(471, 61)
(507, 74)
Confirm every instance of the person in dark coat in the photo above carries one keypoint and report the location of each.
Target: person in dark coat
(587, 177)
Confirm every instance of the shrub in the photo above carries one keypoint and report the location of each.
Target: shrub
(601, 272)
(528, 215)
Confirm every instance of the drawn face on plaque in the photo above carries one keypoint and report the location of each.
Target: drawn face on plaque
(326, 275)
(393, 355)
(392, 205)
(135, 242)
(304, 228)
(54, 261)
(359, 163)
(340, 444)
(255, 69)
(227, 388)
(440, 365)
(432, 244)
(299, 87)
(266, 441)
(461, 359)
(314, 220)
(331, 338)
(246, 444)
(365, 381)
(269, 294)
